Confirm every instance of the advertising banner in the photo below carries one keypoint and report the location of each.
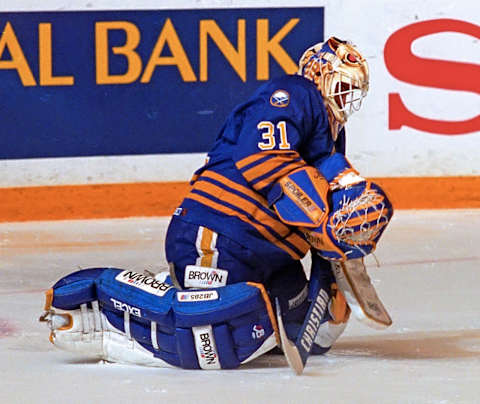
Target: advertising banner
(107, 83)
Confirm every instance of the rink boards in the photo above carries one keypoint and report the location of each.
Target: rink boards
(104, 105)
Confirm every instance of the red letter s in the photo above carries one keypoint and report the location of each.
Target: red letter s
(405, 66)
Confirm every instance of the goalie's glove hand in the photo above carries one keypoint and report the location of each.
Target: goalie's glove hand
(128, 317)
(358, 217)
(359, 211)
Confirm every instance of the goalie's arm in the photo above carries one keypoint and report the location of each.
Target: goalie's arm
(273, 141)
(301, 197)
(341, 214)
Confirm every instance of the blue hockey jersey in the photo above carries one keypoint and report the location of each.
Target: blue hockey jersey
(282, 127)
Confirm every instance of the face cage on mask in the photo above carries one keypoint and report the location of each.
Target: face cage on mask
(346, 96)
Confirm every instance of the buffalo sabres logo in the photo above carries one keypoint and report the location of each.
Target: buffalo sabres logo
(280, 99)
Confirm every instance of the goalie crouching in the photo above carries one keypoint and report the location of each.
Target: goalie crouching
(276, 185)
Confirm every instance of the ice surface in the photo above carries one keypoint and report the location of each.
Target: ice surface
(429, 280)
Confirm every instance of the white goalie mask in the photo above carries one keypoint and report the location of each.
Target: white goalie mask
(340, 73)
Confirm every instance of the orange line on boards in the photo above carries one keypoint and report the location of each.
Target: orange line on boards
(161, 199)
(432, 192)
(90, 201)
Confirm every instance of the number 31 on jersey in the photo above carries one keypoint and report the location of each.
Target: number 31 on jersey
(268, 135)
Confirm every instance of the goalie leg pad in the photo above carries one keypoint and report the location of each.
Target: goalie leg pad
(106, 342)
(150, 319)
(335, 319)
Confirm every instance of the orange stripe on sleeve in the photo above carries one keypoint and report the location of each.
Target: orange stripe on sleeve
(254, 157)
(231, 184)
(294, 238)
(262, 230)
(244, 205)
(271, 164)
(248, 160)
(279, 174)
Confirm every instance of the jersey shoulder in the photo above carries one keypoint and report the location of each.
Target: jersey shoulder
(284, 89)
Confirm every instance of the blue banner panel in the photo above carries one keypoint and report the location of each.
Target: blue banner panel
(137, 82)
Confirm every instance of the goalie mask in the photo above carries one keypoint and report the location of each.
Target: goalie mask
(340, 73)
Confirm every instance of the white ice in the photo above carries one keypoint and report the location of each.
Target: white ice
(429, 280)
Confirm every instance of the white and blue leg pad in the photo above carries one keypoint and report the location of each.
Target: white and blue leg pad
(125, 316)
